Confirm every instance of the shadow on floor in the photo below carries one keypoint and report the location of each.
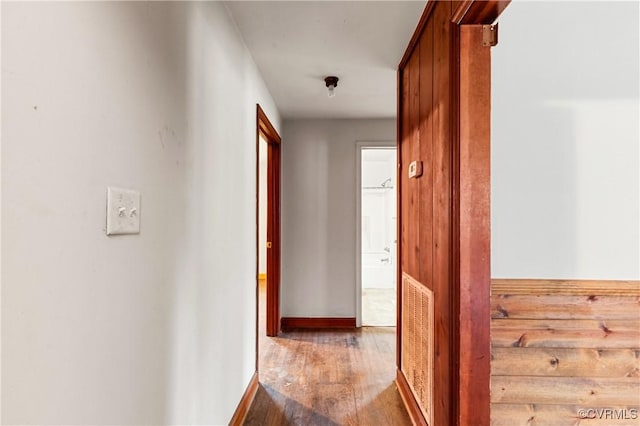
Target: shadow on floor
(271, 407)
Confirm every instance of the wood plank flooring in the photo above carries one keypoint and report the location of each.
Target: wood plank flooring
(328, 377)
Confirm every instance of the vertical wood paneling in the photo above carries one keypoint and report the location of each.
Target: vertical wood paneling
(445, 374)
(412, 249)
(404, 150)
(431, 208)
(425, 183)
(426, 201)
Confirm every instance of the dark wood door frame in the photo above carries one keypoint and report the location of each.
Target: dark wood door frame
(265, 129)
(470, 91)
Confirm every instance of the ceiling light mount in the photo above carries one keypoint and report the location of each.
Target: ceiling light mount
(331, 82)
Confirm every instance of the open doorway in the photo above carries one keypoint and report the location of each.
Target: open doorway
(376, 234)
(268, 225)
(262, 235)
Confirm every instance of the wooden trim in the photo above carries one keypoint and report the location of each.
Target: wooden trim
(289, 323)
(257, 234)
(398, 219)
(245, 402)
(458, 362)
(473, 242)
(468, 12)
(265, 128)
(413, 409)
(479, 12)
(417, 33)
(565, 287)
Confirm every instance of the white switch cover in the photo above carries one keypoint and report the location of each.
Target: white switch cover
(123, 211)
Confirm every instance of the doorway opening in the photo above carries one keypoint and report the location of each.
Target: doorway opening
(376, 239)
(267, 226)
(262, 235)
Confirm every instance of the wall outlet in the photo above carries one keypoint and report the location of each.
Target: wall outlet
(123, 211)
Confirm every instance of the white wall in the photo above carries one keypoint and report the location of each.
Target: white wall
(147, 329)
(319, 213)
(565, 139)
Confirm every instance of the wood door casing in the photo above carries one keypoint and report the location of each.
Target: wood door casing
(443, 121)
(270, 135)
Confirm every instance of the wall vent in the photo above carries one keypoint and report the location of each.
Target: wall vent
(417, 342)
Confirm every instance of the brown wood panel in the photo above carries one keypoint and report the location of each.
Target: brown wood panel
(607, 327)
(474, 229)
(417, 34)
(560, 346)
(565, 390)
(566, 362)
(433, 210)
(565, 307)
(563, 415)
(565, 333)
(446, 372)
(404, 155)
(425, 182)
(411, 250)
(404, 151)
(565, 287)
(469, 12)
(289, 323)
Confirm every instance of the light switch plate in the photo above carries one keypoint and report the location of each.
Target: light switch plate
(123, 211)
(415, 169)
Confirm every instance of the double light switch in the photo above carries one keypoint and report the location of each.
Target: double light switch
(123, 211)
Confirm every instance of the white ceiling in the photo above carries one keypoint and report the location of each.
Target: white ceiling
(297, 43)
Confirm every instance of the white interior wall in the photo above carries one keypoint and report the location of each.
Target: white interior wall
(127, 330)
(565, 141)
(319, 213)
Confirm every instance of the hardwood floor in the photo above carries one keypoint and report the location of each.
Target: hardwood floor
(328, 377)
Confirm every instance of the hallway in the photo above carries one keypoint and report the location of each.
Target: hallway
(338, 377)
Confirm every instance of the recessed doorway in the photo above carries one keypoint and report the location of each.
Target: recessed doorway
(377, 236)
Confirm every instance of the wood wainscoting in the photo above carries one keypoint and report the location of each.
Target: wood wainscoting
(565, 352)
